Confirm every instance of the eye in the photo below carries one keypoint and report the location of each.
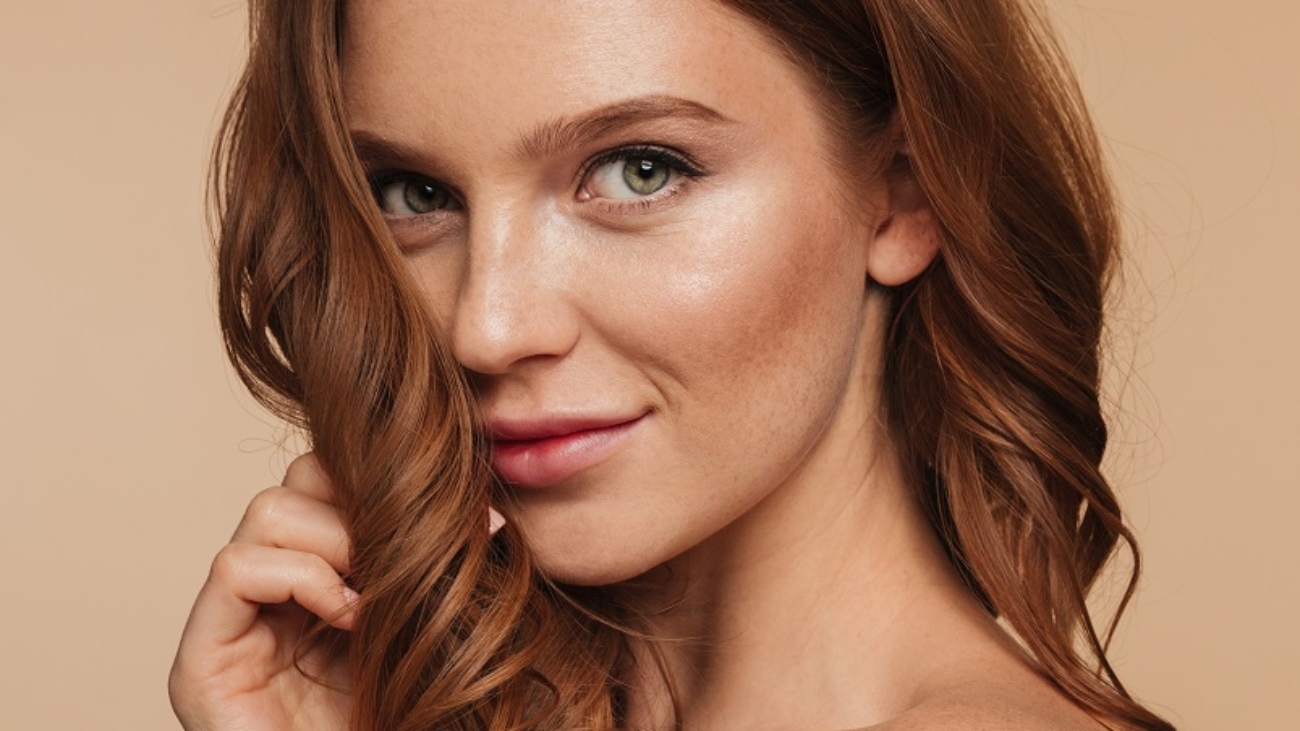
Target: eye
(405, 194)
(639, 172)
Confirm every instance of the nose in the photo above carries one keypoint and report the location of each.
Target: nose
(513, 304)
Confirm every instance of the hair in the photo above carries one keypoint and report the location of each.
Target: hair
(991, 384)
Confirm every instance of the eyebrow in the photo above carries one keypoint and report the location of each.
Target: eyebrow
(555, 135)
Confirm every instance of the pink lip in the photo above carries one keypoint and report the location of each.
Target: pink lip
(543, 452)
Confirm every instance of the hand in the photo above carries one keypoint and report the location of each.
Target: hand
(235, 666)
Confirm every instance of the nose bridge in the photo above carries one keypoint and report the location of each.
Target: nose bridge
(511, 306)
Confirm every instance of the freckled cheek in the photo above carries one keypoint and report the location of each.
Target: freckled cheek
(756, 296)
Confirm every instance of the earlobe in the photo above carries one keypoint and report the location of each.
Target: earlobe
(908, 239)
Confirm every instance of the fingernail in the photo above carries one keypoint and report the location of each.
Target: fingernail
(496, 521)
(350, 595)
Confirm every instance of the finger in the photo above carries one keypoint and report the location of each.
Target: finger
(281, 517)
(245, 576)
(496, 521)
(307, 476)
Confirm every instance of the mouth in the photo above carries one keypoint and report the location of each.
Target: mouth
(542, 453)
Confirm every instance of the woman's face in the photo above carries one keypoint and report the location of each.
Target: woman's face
(629, 218)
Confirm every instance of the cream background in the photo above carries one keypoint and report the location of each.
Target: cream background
(127, 450)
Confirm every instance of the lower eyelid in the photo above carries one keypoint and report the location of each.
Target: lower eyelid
(664, 197)
(412, 234)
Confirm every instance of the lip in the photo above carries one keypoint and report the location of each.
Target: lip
(537, 453)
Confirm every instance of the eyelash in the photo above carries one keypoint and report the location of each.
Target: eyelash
(680, 164)
(380, 180)
(677, 162)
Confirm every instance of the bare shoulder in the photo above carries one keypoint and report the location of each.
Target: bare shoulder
(994, 705)
(985, 717)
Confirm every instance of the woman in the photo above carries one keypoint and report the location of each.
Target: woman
(770, 329)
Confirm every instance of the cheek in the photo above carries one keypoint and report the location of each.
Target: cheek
(747, 327)
(765, 301)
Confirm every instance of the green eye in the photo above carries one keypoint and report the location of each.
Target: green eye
(635, 173)
(424, 197)
(644, 176)
(410, 195)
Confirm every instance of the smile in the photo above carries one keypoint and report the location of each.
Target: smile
(543, 453)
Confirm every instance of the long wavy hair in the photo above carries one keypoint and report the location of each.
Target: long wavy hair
(991, 385)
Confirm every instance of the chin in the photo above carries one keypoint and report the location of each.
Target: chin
(584, 576)
(584, 559)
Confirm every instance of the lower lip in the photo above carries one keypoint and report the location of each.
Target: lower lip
(536, 463)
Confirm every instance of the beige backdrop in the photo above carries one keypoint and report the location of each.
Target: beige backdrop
(127, 450)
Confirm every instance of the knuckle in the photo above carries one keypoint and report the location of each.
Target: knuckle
(177, 686)
(268, 507)
(229, 563)
(176, 693)
(304, 467)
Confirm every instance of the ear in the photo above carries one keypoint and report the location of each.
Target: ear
(907, 239)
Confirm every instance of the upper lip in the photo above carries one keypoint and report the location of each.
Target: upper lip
(503, 429)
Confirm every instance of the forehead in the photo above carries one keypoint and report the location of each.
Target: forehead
(465, 71)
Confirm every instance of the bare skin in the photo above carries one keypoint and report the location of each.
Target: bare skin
(235, 668)
(729, 312)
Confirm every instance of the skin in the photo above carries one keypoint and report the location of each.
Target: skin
(739, 310)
